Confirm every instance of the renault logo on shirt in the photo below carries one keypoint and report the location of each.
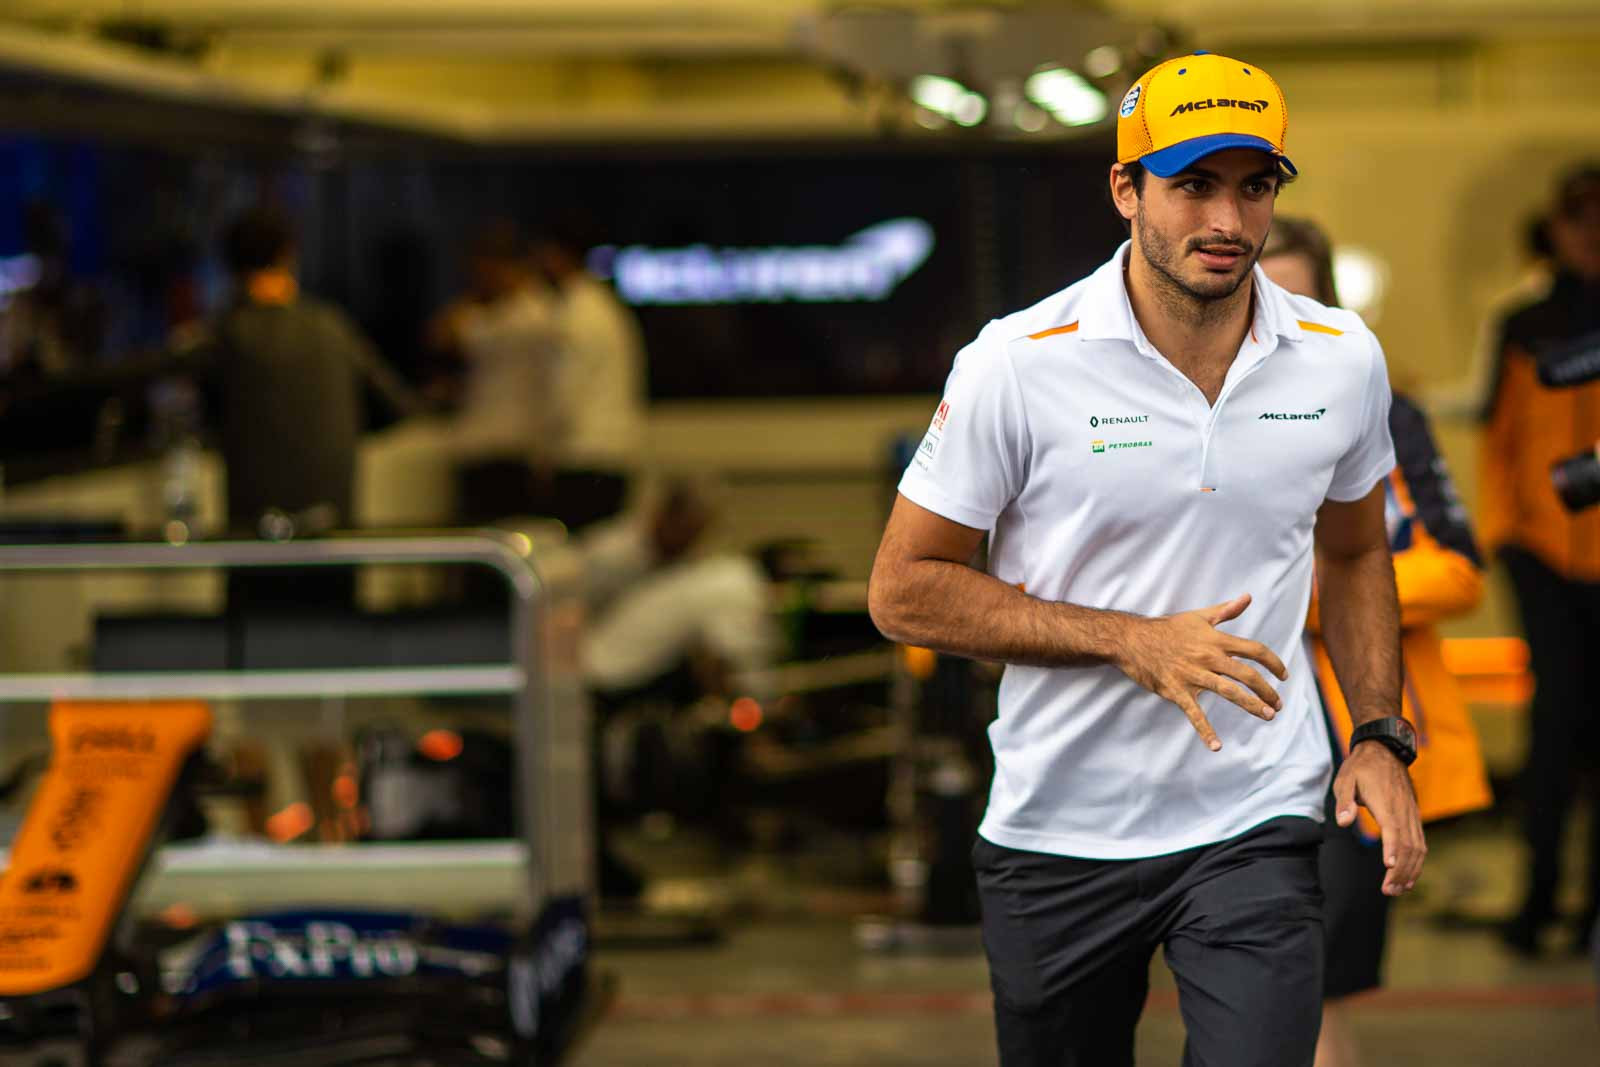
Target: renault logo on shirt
(1097, 421)
(1295, 416)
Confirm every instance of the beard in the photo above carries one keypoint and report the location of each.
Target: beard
(1165, 257)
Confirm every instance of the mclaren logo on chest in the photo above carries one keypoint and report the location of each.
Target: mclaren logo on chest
(1294, 416)
(1202, 105)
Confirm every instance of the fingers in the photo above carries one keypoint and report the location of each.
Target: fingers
(1404, 847)
(1198, 720)
(1387, 792)
(1237, 694)
(1232, 609)
(1255, 650)
(1250, 678)
(1344, 797)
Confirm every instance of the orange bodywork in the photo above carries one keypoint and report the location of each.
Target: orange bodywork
(112, 767)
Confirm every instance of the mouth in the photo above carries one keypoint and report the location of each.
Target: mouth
(1220, 257)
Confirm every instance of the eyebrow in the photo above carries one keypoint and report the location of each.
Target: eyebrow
(1211, 175)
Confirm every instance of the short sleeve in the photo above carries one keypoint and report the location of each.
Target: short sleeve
(1370, 458)
(972, 462)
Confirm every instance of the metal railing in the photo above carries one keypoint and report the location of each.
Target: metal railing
(543, 811)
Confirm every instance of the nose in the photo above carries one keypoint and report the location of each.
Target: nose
(1226, 217)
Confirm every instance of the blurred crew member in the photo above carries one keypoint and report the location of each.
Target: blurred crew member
(656, 607)
(286, 375)
(1154, 452)
(1553, 557)
(1437, 574)
(664, 624)
(504, 332)
(508, 423)
(57, 325)
(601, 378)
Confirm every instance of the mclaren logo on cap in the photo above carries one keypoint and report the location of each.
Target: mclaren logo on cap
(1130, 101)
(1201, 105)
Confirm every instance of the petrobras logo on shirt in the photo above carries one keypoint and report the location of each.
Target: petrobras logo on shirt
(866, 268)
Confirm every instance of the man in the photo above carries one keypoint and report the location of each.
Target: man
(601, 383)
(1155, 453)
(508, 421)
(1552, 556)
(504, 332)
(286, 375)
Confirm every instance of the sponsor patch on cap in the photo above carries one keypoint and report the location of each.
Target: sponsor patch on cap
(1130, 101)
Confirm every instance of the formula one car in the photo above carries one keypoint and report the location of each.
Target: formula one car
(83, 981)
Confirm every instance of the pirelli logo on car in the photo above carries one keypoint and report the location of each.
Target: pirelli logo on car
(1294, 416)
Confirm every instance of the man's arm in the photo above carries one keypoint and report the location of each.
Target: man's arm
(925, 592)
(1361, 628)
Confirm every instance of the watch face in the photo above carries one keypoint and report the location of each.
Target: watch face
(1405, 731)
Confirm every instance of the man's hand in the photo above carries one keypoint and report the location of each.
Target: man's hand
(1179, 656)
(1374, 777)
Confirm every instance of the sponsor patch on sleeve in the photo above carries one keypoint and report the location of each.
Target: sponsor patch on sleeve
(930, 441)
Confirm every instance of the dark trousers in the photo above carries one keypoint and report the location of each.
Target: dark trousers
(494, 489)
(1070, 942)
(1562, 621)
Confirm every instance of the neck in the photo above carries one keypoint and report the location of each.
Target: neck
(1189, 331)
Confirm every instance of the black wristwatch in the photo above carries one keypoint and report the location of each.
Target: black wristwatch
(1394, 733)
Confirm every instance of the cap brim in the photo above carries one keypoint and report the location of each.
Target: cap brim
(1182, 156)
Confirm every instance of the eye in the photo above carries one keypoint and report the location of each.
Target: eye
(1258, 187)
(1194, 185)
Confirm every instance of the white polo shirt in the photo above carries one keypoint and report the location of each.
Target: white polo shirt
(1107, 481)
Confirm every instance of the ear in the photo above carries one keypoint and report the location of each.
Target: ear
(1123, 195)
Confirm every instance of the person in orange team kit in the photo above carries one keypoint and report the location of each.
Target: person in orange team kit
(1438, 574)
(1552, 555)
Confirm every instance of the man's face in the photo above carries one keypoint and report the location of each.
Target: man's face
(1202, 229)
(495, 276)
(1294, 271)
(1575, 235)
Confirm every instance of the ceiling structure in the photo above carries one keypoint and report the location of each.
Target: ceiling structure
(518, 71)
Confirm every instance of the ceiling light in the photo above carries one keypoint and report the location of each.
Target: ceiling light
(970, 109)
(1103, 62)
(937, 93)
(949, 98)
(1029, 119)
(1063, 93)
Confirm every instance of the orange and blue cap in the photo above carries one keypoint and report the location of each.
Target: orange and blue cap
(1191, 106)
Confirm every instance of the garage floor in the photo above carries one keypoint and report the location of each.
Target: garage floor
(789, 984)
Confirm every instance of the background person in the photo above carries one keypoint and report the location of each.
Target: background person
(1551, 555)
(1437, 575)
(285, 375)
(1111, 439)
(600, 382)
(666, 625)
(504, 335)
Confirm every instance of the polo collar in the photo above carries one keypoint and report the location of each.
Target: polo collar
(1107, 314)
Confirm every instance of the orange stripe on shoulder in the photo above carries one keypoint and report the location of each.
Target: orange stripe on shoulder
(1317, 327)
(1070, 327)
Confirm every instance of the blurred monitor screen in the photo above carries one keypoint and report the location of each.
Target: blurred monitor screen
(757, 271)
(798, 272)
